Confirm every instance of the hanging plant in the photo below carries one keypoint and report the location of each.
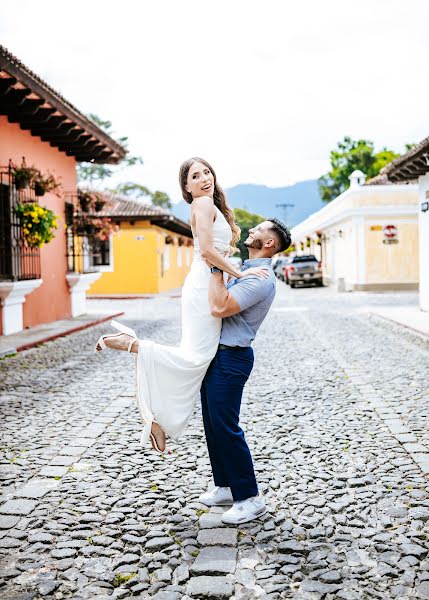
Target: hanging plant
(90, 201)
(169, 239)
(23, 176)
(44, 184)
(181, 241)
(37, 223)
(99, 228)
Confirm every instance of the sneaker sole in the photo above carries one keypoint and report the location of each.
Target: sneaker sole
(221, 503)
(246, 520)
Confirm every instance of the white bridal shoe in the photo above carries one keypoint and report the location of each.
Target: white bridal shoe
(101, 345)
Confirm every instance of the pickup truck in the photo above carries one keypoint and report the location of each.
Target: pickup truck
(303, 269)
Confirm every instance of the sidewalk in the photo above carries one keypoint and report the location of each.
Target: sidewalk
(410, 317)
(33, 336)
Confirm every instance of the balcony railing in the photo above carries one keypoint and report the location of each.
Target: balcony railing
(18, 261)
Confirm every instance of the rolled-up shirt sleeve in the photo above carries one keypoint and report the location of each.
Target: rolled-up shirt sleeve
(250, 290)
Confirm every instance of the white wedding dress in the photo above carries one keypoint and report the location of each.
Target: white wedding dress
(169, 377)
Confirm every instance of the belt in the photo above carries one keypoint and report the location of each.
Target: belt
(224, 347)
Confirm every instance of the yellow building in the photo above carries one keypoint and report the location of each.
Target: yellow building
(151, 252)
(367, 238)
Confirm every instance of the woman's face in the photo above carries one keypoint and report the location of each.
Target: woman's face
(200, 181)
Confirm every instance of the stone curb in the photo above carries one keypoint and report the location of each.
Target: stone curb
(63, 333)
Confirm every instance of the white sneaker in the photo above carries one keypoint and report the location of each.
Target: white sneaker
(244, 511)
(218, 496)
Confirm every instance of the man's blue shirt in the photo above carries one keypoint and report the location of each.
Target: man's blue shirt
(255, 296)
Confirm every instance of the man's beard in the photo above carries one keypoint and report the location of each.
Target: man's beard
(256, 244)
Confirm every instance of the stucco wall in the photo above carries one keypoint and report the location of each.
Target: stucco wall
(393, 263)
(139, 251)
(51, 300)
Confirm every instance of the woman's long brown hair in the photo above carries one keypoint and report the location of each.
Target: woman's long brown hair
(218, 197)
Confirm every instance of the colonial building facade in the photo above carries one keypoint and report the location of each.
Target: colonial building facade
(41, 130)
(367, 237)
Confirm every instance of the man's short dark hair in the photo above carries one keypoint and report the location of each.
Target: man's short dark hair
(281, 233)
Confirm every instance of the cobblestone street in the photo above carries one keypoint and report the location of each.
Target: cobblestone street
(335, 413)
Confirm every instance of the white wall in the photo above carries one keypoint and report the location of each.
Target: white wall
(424, 242)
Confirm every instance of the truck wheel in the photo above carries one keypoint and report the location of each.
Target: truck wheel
(292, 285)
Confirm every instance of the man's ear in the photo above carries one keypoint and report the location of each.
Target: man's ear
(270, 243)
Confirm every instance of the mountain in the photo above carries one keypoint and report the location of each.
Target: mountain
(262, 200)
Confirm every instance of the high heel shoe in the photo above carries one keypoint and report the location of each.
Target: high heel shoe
(101, 344)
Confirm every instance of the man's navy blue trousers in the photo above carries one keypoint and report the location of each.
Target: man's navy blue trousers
(221, 394)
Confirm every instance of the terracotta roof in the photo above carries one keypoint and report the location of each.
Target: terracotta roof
(28, 100)
(123, 209)
(382, 179)
(410, 165)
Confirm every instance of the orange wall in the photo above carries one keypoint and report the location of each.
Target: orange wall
(51, 300)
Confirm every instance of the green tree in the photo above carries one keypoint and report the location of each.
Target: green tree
(161, 199)
(91, 173)
(245, 221)
(346, 158)
(131, 190)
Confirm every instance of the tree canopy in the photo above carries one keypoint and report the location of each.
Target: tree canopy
(92, 174)
(346, 158)
(245, 221)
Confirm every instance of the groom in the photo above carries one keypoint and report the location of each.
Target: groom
(242, 304)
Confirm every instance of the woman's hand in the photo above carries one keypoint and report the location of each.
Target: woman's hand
(261, 272)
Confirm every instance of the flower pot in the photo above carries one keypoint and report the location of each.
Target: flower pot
(22, 181)
(99, 205)
(84, 204)
(39, 189)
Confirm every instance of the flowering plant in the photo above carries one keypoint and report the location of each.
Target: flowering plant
(45, 183)
(90, 201)
(37, 223)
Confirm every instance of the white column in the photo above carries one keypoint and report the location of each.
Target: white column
(79, 283)
(12, 295)
(424, 241)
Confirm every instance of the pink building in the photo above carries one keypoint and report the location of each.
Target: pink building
(38, 285)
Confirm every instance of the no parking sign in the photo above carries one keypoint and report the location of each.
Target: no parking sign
(390, 234)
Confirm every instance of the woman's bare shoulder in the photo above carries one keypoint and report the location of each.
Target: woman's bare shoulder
(203, 204)
(202, 201)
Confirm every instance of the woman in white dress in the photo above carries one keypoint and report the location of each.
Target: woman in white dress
(169, 377)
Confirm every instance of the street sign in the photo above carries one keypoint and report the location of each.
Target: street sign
(390, 232)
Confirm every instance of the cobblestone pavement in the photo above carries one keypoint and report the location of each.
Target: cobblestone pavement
(336, 416)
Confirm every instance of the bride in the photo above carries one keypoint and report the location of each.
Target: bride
(169, 378)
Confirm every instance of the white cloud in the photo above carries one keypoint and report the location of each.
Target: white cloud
(263, 90)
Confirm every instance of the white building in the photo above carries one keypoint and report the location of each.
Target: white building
(414, 165)
(367, 237)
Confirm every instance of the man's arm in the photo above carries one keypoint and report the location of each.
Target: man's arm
(245, 293)
(222, 303)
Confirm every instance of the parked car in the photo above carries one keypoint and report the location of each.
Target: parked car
(278, 265)
(303, 269)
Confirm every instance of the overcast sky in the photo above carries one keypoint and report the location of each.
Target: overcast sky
(262, 89)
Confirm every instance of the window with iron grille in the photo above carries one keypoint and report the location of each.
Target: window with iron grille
(85, 252)
(18, 261)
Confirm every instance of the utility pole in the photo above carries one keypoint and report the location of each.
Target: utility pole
(284, 207)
